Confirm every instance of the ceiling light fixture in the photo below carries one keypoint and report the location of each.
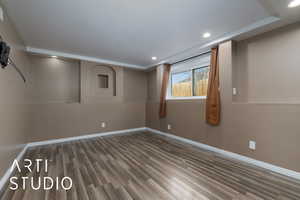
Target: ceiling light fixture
(154, 58)
(206, 35)
(294, 3)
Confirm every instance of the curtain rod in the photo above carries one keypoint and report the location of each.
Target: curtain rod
(192, 57)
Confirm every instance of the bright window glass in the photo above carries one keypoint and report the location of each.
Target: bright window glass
(201, 81)
(182, 84)
(191, 83)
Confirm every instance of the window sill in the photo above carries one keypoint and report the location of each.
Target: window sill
(184, 98)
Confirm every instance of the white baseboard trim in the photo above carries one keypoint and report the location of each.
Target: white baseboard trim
(55, 141)
(9, 171)
(274, 168)
(228, 154)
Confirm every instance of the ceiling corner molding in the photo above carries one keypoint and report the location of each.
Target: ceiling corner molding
(80, 57)
(228, 36)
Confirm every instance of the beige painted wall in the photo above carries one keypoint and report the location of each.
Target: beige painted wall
(266, 67)
(55, 80)
(90, 91)
(273, 125)
(58, 120)
(14, 99)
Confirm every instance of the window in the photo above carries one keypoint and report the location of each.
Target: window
(189, 80)
(200, 81)
(103, 81)
(182, 84)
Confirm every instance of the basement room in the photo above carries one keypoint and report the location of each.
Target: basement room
(149, 100)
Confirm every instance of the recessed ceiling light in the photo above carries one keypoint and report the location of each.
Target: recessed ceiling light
(294, 3)
(53, 56)
(206, 35)
(154, 58)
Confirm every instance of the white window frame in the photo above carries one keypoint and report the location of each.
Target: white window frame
(202, 61)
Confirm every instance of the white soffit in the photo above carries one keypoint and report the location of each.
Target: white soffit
(202, 48)
(130, 33)
(80, 57)
(198, 49)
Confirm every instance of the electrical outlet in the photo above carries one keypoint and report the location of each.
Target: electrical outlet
(169, 127)
(252, 145)
(1, 14)
(234, 91)
(103, 124)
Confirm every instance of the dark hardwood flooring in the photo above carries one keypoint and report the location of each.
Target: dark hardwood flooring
(145, 166)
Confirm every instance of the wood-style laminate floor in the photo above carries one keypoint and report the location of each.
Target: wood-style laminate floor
(145, 166)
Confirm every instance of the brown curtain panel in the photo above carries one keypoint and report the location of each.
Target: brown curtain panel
(163, 94)
(213, 102)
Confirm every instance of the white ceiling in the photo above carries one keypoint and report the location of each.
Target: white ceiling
(130, 31)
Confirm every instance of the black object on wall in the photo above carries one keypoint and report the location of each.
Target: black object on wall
(5, 60)
(4, 54)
